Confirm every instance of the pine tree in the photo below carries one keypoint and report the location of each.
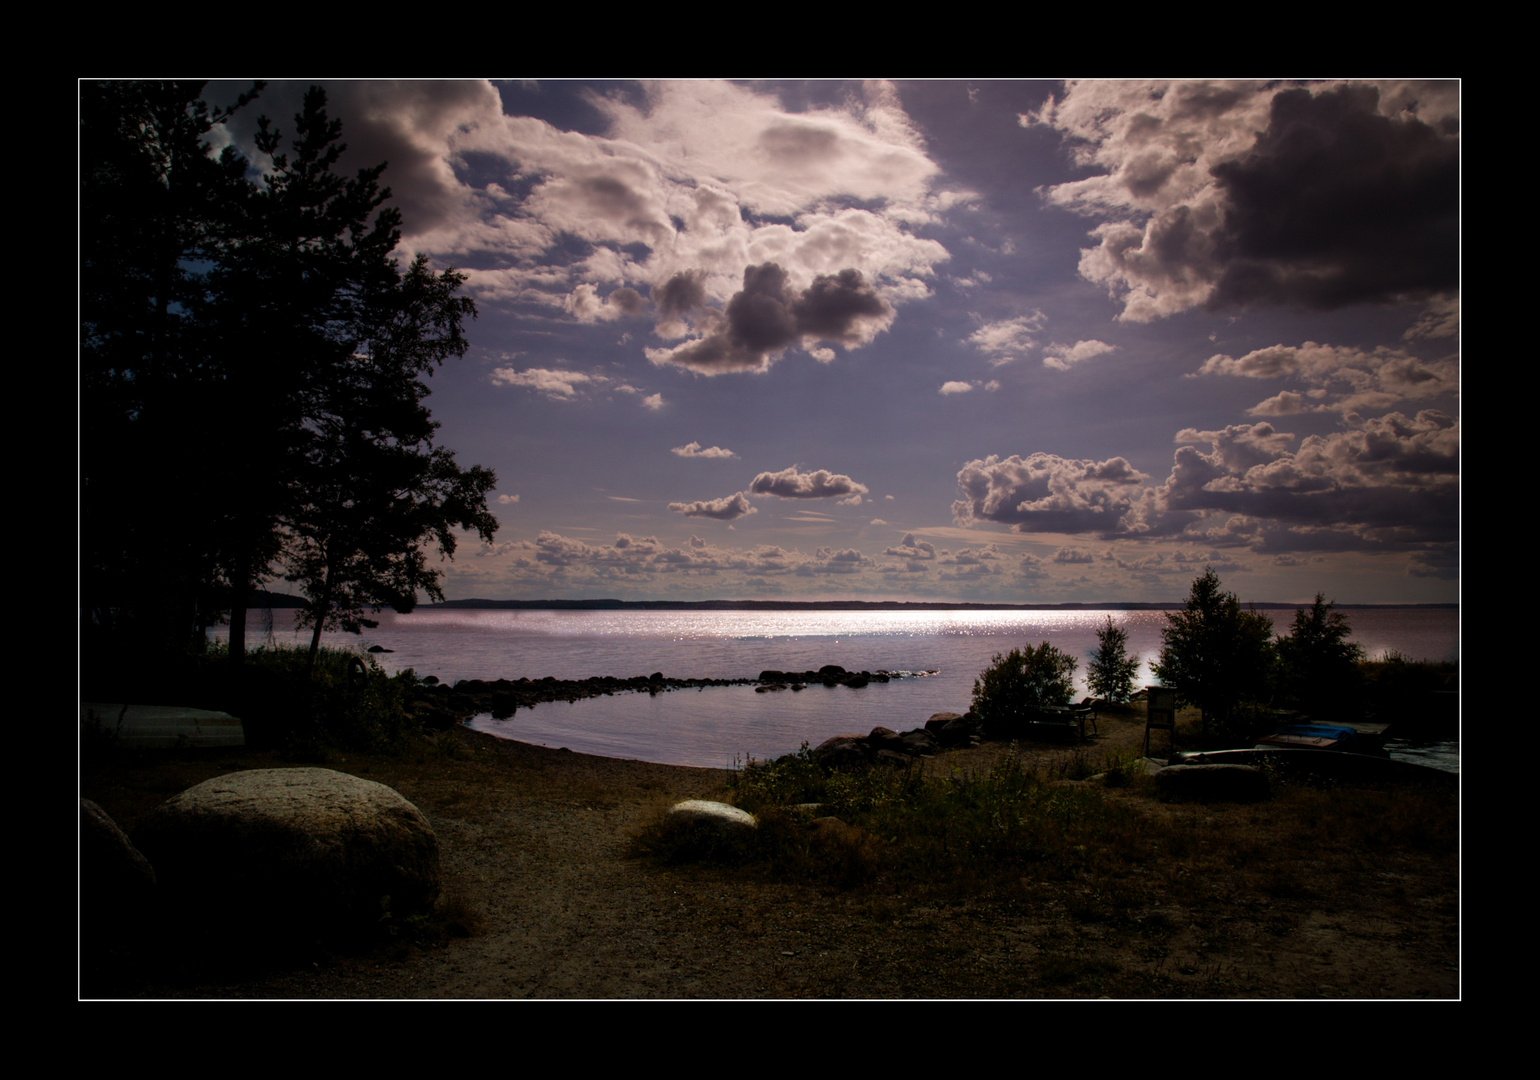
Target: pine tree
(1112, 668)
(1215, 655)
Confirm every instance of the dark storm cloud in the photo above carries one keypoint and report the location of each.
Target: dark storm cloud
(1339, 204)
(790, 484)
(1314, 195)
(682, 293)
(766, 317)
(1395, 478)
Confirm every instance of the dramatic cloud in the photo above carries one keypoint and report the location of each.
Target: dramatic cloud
(678, 188)
(693, 449)
(1231, 194)
(728, 508)
(766, 317)
(790, 484)
(1047, 493)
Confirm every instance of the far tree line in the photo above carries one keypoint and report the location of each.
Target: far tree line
(1221, 658)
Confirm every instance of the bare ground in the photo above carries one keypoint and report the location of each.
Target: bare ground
(540, 869)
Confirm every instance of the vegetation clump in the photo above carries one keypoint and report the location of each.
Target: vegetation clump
(1018, 684)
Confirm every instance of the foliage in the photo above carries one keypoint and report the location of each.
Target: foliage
(1023, 681)
(343, 700)
(1217, 656)
(274, 311)
(1112, 668)
(1318, 666)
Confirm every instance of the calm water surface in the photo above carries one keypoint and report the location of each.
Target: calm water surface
(718, 725)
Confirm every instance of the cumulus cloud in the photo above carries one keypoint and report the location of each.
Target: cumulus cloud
(1062, 357)
(727, 508)
(1391, 479)
(586, 305)
(693, 449)
(767, 316)
(1233, 194)
(913, 549)
(1347, 380)
(1047, 493)
(955, 387)
(791, 484)
(507, 500)
(653, 402)
(556, 384)
(1008, 339)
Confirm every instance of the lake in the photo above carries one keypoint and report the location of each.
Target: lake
(718, 726)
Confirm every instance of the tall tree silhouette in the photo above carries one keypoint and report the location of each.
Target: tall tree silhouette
(298, 341)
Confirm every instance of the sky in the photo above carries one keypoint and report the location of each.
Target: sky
(1002, 341)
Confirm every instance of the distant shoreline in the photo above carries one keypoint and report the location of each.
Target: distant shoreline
(283, 600)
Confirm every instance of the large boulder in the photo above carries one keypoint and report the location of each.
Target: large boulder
(117, 883)
(1213, 783)
(280, 849)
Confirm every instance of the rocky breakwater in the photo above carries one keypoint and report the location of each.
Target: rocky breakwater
(829, 675)
(943, 731)
(441, 705)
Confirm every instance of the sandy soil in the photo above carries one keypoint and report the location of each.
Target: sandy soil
(536, 848)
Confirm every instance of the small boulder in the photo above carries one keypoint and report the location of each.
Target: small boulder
(703, 829)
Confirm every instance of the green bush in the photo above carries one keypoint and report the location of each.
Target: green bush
(1022, 681)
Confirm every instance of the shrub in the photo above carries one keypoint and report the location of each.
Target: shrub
(347, 701)
(1022, 681)
(1112, 668)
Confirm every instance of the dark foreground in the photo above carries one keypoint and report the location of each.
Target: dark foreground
(1327, 893)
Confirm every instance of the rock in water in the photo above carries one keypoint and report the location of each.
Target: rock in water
(302, 848)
